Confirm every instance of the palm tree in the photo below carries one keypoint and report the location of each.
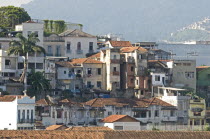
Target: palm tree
(39, 84)
(23, 47)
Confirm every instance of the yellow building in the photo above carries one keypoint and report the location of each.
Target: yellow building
(197, 112)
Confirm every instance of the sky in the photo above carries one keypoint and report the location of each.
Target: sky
(13, 2)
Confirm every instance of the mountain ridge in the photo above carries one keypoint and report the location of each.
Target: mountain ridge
(137, 20)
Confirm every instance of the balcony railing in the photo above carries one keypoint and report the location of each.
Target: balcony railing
(49, 54)
(117, 73)
(79, 51)
(68, 51)
(26, 121)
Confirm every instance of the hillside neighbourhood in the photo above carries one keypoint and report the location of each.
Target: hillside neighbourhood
(74, 80)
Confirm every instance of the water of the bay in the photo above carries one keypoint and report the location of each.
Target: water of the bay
(200, 53)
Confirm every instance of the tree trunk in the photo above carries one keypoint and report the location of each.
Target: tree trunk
(23, 77)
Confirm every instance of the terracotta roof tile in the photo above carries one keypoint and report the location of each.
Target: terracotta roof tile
(43, 102)
(64, 64)
(88, 128)
(131, 49)
(115, 118)
(97, 55)
(7, 98)
(56, 127)
(121, 44)
(157, 101)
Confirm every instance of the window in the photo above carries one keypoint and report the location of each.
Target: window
(149, 113)
(65, 114)
(18, 115)
(137, 82)
(99, 84)
(157, 77)
(7, 62)
(32, 114)
(90, 46)
(78, 71)
(58, 50)
(79, 46)
(109, 113)
(132, 80)
(89, 84)
(39, 65)
(132, 68)
(142, 92)
(0, 45)
(89, 71)
(59, 113)
(172, 113)
(23, 114)
(115, 69)
(115, 57)
(156, 113)
(29, 33)
(68, 47)
(53, 115)
(118, 127)
(99, 71)
(186, 64)
(140, 56)
(27, 115)
(49, 50)
(36, 34)
(189, 75)
(64, 72)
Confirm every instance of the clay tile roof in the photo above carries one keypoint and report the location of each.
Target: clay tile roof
(97, 55)
(200, 68)
(89, 128)
(131, 49)
(118, 102)
(65, 64)
(7, 98)
(43, 102)
(115, 118)
(56, 127)
(121, 44)
(92, 61)
(76, 33)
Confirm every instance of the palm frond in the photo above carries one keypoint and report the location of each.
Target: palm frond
(38, 49)
(14, 50)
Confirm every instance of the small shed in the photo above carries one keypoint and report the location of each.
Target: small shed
(121, 122)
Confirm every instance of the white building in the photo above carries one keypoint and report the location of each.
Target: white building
(17, 112)
(78, 43)
(121, 122)
(8, 110)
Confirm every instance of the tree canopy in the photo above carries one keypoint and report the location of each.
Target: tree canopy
(11, 16)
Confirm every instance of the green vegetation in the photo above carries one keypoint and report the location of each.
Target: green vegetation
(23, 47)
(11, 16)
(39, 84)
(189, 35)
(54, 27)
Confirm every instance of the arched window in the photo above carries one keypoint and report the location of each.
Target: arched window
(79, 46)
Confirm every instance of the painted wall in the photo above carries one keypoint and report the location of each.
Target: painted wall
(8, 116)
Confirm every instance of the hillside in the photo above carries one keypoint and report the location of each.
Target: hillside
(137, 20)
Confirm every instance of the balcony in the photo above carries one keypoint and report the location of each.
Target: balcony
(116, 61)
(49, 54)
(22, 121)
(168, 119)
(45, 114)
(131, 60)
(79, 51)
(116, 73)
(68, 51)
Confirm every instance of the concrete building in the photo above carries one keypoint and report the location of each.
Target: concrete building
(184, 74)
(197, 112)
(78, 43)
(148, 111)
(175, 98)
